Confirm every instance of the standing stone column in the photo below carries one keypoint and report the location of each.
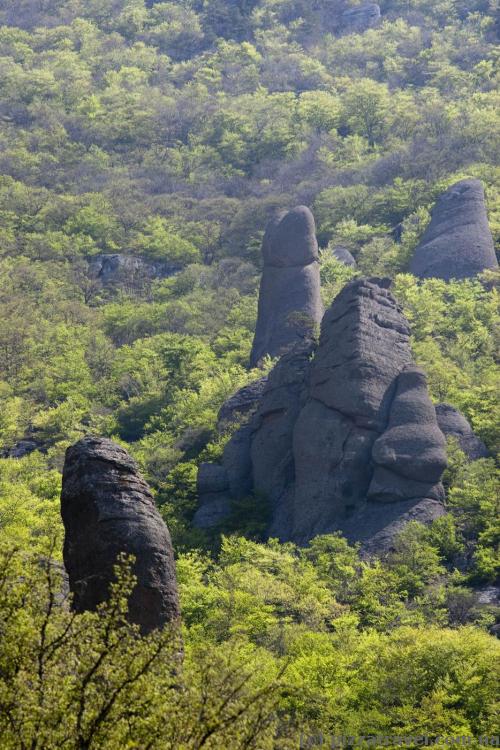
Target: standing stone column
(457, 244)
(290, 304)
(107, 509)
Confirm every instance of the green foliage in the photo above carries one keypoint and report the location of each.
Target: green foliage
(158, 241)
(334, 276)
(91, 681)
(454, 328)
(29, 502)
(474, 500)
(172, 131)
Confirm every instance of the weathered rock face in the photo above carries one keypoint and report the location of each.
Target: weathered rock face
(452, 423)
(108, 509)
(457, 244)
(217, 485)
(289, 300)
(345, 436)
(117, 270)
(22, 448)
(242, 405)
(361, 17)
(344, 256)
(409, 455)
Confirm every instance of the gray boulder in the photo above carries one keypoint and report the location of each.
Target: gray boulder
(272, 450)
(410, 455)
(107, 509)
(361, 18)
(117, 269)
(359, 397)
(344, 256)
(452, 423)
(457, 244)
(214, 496)
(290, 304)
(345, 437)
(364, 345)
(22, 448)
(257, 454)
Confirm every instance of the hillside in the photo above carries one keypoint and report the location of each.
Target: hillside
(144, 147)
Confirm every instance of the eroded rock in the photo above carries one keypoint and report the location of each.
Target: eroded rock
(452, 423)
(22, 448)
(410, 455)
(107, 509)
(290, 304)
(242, 405)
(117, 269)
(343, 255)
(345, 437)
(457, 244)
(362, 17)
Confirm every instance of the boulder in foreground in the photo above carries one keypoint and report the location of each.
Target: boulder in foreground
(107, 509)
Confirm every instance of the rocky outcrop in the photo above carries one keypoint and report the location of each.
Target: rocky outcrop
(345, 436)
(343, 255)
(290, 304)
(409, 456)
(108, 509)
(457, 244)
(241, 406)
(128, 270)
(361, 18)
(22, 448)
(218, 485)
(452, 423)
(214, 496)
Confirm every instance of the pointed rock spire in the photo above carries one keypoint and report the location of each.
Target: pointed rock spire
(290, 304)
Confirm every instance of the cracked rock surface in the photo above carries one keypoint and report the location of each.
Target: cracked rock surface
(107, 509)
(345, 436)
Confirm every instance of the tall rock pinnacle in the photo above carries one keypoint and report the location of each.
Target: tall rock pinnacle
(289, 301)
(457, 244)
(107, 509)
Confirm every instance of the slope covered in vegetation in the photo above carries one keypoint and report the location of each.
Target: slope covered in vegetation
(170, 132)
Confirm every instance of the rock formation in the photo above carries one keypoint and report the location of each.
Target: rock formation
(23, 448)
(289, 301)
(218, 485)
(397, 232)
(457, 244)
(361, 17)
(452, 423)
(344, 256)
(108, 509)
(345, 436)
(241, 406)
(116, 270)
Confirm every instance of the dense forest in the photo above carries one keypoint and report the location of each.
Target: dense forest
(165, 135)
